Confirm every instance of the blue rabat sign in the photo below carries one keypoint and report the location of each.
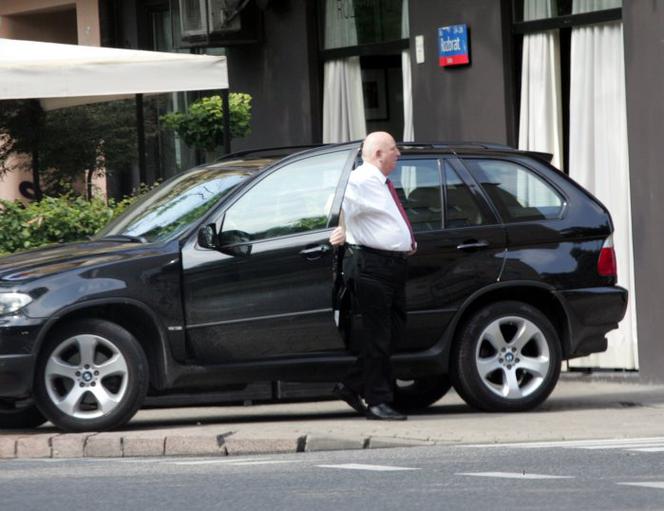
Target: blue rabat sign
(453, 45)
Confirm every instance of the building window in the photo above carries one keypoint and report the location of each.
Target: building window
(357, 22)
(366, 68)
(544, 33)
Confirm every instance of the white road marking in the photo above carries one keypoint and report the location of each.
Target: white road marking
(513, 475)
(136, 460)
(359, 466)
(607, 443)
(654, 484)
(629, 446)
(215, 461)
(266, 462)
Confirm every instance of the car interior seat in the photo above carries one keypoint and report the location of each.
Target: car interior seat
(423, 208)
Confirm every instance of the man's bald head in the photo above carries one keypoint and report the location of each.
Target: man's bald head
(380, 149)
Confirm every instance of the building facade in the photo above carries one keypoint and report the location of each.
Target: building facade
(580, 79)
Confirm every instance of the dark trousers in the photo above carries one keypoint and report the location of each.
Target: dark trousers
(377, 283)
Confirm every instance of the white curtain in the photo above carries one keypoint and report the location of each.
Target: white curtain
(540, 121)
(343, 102)
(599, 158)
(408, 128)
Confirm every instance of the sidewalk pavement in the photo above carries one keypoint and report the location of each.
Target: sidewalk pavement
(581, 407)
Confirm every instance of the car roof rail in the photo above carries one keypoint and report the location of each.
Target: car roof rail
(268, 152)
(451, 145)
(490, 146)
(546, 157)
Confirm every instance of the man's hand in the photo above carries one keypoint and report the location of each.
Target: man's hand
(338, 237)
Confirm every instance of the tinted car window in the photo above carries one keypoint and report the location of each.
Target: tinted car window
(462, 209)
(296, 198)
(418, 186)
(178, 203)
(518, 193)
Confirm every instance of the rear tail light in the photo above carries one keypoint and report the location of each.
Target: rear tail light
(606, 264)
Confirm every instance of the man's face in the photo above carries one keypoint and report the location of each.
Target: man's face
(390, 156)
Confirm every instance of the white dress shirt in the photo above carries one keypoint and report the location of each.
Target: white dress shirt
(371, 215)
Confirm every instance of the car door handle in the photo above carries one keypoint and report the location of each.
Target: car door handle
(473, 245)
(315, 252)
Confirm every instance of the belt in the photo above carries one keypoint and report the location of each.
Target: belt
(377, 251)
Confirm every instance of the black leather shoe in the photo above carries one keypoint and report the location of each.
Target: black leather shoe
(353, 399)
(384, 412)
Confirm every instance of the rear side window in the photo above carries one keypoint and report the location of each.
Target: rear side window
(418, 185)
(462, 208)
(517, 192)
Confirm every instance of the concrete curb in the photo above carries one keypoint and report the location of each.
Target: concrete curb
(578, 410)
(126, 445)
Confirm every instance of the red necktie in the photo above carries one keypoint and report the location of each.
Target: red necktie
(393, 192)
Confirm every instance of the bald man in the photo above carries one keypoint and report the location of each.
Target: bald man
(379, 240)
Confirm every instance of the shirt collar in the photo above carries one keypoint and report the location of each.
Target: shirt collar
(375, 170)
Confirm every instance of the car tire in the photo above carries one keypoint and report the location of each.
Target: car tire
(507, 358)
(92, 375)
(14, 416)
(418, 394)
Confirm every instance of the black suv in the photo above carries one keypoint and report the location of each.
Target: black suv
(222, 277)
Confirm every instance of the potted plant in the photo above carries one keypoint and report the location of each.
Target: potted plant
(201, 126)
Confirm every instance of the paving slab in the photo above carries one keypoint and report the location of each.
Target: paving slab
(242, 446)
(195, 445)
(333, 443)
(70, 445)
(103, 445)
(34, 446)
(143, 445)
(8, 446)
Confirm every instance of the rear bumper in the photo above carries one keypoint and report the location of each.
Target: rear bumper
(592, 313)
(16, 375)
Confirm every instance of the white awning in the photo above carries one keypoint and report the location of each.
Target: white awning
(65, 75)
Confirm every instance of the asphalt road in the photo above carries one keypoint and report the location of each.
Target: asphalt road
(603, 474)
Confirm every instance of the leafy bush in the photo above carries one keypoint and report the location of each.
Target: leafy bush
(202, 125)
(53, 220)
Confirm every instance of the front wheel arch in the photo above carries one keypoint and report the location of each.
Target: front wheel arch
(133, 316)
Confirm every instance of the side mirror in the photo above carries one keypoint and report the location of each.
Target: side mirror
(208, 238)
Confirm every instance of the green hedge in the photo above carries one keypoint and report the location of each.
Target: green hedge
(53, 220)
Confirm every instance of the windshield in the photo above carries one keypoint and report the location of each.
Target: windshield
(171, 208)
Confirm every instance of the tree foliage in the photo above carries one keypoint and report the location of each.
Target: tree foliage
(69, 142)
(87, 138)
(19, 128)
(202, 125)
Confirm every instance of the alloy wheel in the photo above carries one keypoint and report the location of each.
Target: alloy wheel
(512, 357)
(86, 376)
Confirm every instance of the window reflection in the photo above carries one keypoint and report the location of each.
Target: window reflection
(517, 193)
(418, 186)
(461, 209)
(176, 204)
(296, 198)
